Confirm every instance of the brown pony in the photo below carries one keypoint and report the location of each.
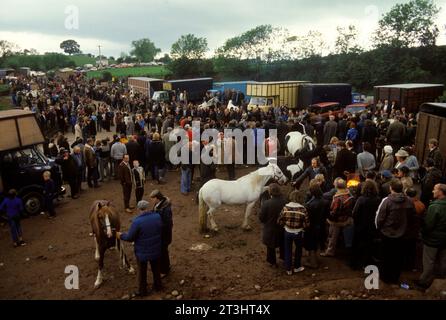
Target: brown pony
(105, 223)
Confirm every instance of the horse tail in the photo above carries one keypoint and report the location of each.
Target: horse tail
(202, 212)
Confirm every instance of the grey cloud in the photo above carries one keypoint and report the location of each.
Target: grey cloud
(165, 20)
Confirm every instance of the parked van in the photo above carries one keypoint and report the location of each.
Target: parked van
(22, 162)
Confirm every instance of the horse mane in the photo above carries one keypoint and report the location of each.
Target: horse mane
(249, 175)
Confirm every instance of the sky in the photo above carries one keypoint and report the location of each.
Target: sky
(44, 24)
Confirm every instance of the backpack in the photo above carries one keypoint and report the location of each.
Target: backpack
(344, 211)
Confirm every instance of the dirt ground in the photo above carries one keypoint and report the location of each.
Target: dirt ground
(233, 269)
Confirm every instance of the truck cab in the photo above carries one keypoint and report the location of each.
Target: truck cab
(263, 103)
(162, 96)
(22, 162)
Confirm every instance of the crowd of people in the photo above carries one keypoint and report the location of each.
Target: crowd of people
(365, 184)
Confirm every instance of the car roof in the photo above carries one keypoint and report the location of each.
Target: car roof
(364, 105)
(324, 104)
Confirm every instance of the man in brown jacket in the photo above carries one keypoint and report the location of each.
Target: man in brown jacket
(125, 176)
(91, 163)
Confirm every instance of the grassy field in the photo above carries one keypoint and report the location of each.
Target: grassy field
(81, 60)
(5, 103)
(150, 71)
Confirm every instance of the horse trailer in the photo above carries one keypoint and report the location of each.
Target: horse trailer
(410, 96)
(228, 89)
(196, 88)
(314, 93)
(145, 86)
(274, 94)
(431, 125)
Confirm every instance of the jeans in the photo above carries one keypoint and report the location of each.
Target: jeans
(16, 229)
(92, 176)
(333, 236)
(432, 256)
(104, 168)
(158, 173)
(49, 205)
(186, 180)
(298, 240)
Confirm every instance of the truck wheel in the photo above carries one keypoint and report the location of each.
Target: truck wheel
(33, 202)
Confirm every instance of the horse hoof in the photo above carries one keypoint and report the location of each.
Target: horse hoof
(215, 229)
(96, 258)
(132, 271)
(247, 228)
(97, 285)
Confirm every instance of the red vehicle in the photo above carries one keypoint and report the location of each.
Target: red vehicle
(357, 108)
(325, 109)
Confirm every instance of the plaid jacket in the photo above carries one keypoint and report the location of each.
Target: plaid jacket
(294, 218)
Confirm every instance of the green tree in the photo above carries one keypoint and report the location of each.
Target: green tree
(408, 24)
(165, 59)
(191, 68)
(7, 49)
(107, 76)
(311, 45)
(346, 40)
(189, 46)
(252, 44)
(70, 47)
(144, 50)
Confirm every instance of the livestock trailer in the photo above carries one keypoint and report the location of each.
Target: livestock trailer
(410, 96)
(6, 72)
(226, 88)
(282, 93)
(196, 88)
(25, 71)
(144, 85)
(431, 125)
(313, 93)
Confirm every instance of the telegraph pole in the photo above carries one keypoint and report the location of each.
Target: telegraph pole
(100, 57)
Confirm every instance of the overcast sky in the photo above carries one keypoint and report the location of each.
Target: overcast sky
(114, 24)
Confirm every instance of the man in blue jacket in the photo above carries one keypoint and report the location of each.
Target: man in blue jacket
(145, 232)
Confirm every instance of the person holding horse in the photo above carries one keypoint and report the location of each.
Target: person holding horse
(311, 172)
(145, 232)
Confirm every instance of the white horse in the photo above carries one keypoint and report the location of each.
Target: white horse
(232, 106)
(296, 142)
(246, 190)
(211, 103)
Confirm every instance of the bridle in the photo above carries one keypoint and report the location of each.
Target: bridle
(305, 143)
(276, 176)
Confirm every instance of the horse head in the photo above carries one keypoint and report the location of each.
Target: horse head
(276, 173)
(106, 219)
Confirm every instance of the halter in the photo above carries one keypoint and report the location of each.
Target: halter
(275, 176)
(305, 143)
